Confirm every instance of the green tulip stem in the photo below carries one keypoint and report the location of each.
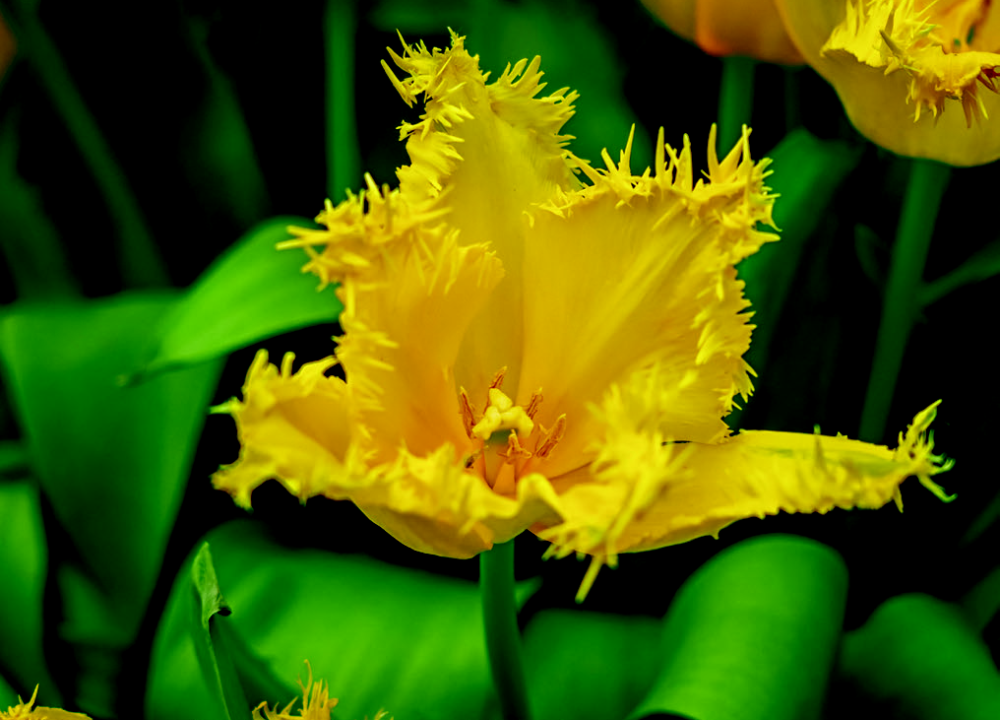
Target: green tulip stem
(503, 639)
(924, 189)
(735, 100)
(343, 162)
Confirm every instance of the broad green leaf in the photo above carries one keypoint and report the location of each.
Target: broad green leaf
(251, 292)
(806, 172)
(382, 636)
(752, 634)
(23, 557)
(113, 461)
(216, 665)
(920, 658)
(585, 665)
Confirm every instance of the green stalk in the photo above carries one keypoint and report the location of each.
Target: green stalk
(141, 264)
(924, 189)
(343, 161)
(503, 639)
(735, 99)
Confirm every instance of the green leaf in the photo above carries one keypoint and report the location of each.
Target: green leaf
(981, 603)
(8, 697)
(983, 265)
(251, 292)
(220, 160)
(113, 461)
(23, 558)
(806, 172)
(29, 242)
(216, 665)
(13, 460)
(918, 656)
(585, 665)
(382, 636)
(752, 634)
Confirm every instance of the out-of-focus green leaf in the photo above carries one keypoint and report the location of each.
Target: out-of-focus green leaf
(219, 154)
(584, 665)
(139, 256)
(216, 665)
(982, 602)
(984, 520)
(981, 266)
(752, 634)
(806, 173)
(23, 559)
(29, 242)
(920, 657)
(383, 637)
(250, 293)
(8, 697)
(13, 460)
(113, 461)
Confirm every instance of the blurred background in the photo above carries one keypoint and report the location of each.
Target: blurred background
(215, 115)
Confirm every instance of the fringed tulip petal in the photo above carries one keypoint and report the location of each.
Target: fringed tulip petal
(916, 77)
(522, 350)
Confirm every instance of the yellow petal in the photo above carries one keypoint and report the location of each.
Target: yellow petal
(295, 428)
(642, 494)
(906, 73)
(316, 703)
(434, 505)
(402, 338)
(744, 27)
(678, 15)
(730, 27)
(637, 271)
(27, 711)
(489, 151)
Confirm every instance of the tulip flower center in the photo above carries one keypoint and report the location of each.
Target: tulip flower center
(502, 432)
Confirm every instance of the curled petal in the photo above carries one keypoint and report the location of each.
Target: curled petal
(295, 428)
(643, 494)
(434, 505)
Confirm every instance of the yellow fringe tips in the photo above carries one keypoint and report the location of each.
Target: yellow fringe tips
(316, 704)
(610, 303)
(935, 44)
(918, 77)
(28, 711)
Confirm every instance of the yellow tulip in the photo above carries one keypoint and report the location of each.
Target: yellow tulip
(730, 27)
(526, 351)
(918, 77)
(28, 711)
(316, 704)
